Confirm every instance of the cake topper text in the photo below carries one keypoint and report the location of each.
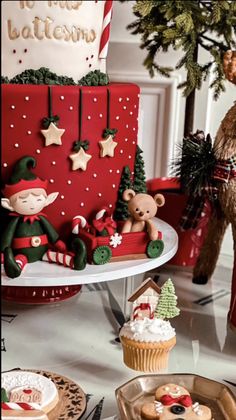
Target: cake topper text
(47, 28)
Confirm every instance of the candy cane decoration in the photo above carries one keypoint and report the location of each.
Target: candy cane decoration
(106, 26)
(77, 222)
(20, 406)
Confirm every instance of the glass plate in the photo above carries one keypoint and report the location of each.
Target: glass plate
(133, 394)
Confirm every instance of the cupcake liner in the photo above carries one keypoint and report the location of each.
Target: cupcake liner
(146, 357)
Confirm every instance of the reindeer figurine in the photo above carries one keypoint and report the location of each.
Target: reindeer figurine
(225, 175)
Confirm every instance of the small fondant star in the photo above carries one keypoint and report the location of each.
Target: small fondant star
(80, 160)
(53, 135)
(107, 146)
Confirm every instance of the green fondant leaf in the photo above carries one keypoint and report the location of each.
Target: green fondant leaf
(94, 78)
(109, 131)
(78, 144)
(48, 120)
(4, 397)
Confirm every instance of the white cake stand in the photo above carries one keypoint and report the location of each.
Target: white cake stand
(41, 274)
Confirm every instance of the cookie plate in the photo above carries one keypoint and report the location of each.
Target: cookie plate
(133, 394)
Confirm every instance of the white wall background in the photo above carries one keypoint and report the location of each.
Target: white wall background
(161, 104)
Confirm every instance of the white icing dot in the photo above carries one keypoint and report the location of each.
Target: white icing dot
(95, 100)
(16, 145)
(62, 97)
(127, 99)
(110, 206)
(63, 213)
(12, 106)
(135, 106)
(120, 99)
(130, 157)
(99, 194)
(87, 189)
(117, 117)
(62, 197)
(131, 113)
(24, 117)
(27, 98)
(113, 185)
(138, 95)
(127, 126)
(133, 142)
(12, 125)
(95, 175)
(89, 117)
(134, 129)
(121, 151)
(69, 182)
(126, 139)
(82, 204)
(4, 165)
(100, 115)
(51, 180)
(28, 132)
(70, 108)
(53, 162)
(124, 107)
(110, 170)
(38, 151)
(118, 171)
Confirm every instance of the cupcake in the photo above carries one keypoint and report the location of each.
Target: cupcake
(146, 344)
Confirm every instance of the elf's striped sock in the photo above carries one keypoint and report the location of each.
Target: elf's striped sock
(21, 260)
(59, 258)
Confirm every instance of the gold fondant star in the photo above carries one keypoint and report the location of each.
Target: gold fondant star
(107, 146)
(53, 135)
(80, 160)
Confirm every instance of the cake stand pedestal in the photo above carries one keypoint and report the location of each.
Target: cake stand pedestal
(43, 274)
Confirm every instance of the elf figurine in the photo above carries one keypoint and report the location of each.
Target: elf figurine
(29, 236)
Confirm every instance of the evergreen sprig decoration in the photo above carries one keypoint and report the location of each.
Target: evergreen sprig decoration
(187, 25)
(109, 131)
(94, 78)
(195, 164)
(48, 120)
(78, 144)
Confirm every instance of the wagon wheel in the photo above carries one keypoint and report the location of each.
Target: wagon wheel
(155, 248)
(101, 255)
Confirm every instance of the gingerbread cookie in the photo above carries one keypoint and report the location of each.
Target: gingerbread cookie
(173, 402)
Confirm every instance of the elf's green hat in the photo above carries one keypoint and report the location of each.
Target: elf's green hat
(22, 178)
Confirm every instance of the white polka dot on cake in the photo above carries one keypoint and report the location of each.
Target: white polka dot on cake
(4, 165)
(62, 197)
(124, 107)
(127, 126)
(16, 145)
(135, 106)
(27, 98)
(63, 213)
(53, 162)
(100, 115)
(51, 181)
(120, 99)
(24, 117)
(130, 157)
(121, 151)
(71, 108)
(126, 139)
(110, 206)
(133, 142)
(69, 182)
(12, 106)
(95, 100)
(127, 99)
(82, 204)
(134, 129)
(87, 189)
(131, 113)
(29, 132)
(99, 194)
(95, 175)
(113, 185)
(38, 151)
(118, 171)
(110, 170)
(89, 117)
(11, 125)
(62, 98)
(117, 117)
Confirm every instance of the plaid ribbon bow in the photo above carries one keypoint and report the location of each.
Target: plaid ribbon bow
(224, 171)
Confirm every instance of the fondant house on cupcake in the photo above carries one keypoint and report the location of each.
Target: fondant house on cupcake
(145, 299)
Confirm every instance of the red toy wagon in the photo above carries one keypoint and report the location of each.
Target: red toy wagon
(116, 246)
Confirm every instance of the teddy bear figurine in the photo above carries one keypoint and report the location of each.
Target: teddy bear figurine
(174, 402)
(142, 208)
(27, 236)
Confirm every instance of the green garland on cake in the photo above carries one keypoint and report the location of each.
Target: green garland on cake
(43, 76)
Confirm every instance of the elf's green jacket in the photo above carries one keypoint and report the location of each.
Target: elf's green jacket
(29, 238)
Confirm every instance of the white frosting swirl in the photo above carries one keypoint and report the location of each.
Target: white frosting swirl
(148, 330)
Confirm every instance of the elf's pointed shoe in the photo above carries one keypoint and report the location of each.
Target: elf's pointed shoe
(80, 251)
(12, 269)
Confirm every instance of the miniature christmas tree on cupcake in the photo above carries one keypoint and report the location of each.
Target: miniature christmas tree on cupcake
(167, 304)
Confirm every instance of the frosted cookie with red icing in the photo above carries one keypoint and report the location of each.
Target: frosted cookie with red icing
(173, 402)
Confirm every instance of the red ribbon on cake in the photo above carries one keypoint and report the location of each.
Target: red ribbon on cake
(108, 223)
(184, 400)
(142, 307)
